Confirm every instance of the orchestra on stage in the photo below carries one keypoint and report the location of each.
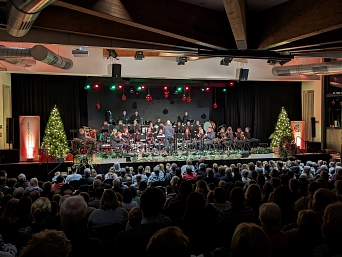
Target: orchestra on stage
(132, 134)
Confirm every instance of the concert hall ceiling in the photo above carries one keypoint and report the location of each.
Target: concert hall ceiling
(302, 27)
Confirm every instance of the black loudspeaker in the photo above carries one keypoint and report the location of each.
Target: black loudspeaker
(116, 70)
(244, 154)
(9, 156)
(243, 74)
(9, 130)
(313, 127)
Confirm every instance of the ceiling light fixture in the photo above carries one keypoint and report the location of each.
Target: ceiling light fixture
(139, 55)
(181, 60)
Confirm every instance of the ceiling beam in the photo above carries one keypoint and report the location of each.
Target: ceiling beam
(297, 19)
(58, 19)
(236, 12)
(174, 19)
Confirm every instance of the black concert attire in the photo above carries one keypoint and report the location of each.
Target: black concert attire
(199, 138)
(116, 142)
(209, 140)
(149, 139)
(229, 141)
(195, 128)
(160, 141)
(124, 118)
(180, 129)
(247, 135)
(187, 141)
(136, 117)
(186, 118)
(169, 133)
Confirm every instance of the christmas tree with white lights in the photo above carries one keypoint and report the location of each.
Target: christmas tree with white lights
(55, 138)
(283, 128)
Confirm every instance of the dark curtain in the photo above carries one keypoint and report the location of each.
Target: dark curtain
(37, 95)
(257, 104)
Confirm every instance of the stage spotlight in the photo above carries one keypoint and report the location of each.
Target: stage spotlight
(120, 87)
(165, 89)
(187, 88)
(231, 83)
(272, 62)
(202, 89)
(184, 97)
(96, 86)
(139, 55)
(207, 89)
(138, 88)
(181, 60)
(131, 90)
(112, 53)
(226, 61)
(179, 89)
(87, 87)
(112, 87)
(224, 90)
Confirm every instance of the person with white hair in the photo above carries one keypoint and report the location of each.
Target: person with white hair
(307, 172)
(22, 182)
(86, 178)
(156, 175)
(32, 186)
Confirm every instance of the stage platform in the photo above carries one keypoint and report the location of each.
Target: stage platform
(45, 171)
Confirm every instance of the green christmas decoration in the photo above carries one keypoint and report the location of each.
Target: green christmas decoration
(55, 138)
(283, 128)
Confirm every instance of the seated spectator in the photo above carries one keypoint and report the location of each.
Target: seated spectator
(10, 186)
(151, 204)
(202, 170)
(56, 187)
(338, 190)
(86, 178)
(270, 219)
(332, 225)
(294, 186)
(140, 171)
(57, 174)
(202, 188)
(127, 200)
(220, 172)
(32, 186)
(321, 199)
(250, 240)
(156, 175)
(266, 192)
(184, 167)
(135, 196)
(47, 190)
(171, 173)
(219, 203)
(253, 198)
(18, 193)
(8, 222)
(108, 214)
(110, 174)
(303, 202)
(73, 175)
(193, 216)
(210, 179)
(97, 201)
(134, 218)
(168, 242)
(245, 175)
(22, 182)
(72, 213)
(228, 177)
(45, 243)
(230, 218)
(189, 174)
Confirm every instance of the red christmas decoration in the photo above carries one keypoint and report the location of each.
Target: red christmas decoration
(333, 102)
(215, 105)
(287, 145)
(149, 97)
(184, 97)
(189, 100)
(98, 106)
(123, 98)
(84, 151)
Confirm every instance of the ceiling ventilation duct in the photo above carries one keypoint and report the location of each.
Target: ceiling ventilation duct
(41, 53)
(21, 15)
(325, 68)
(23, 62)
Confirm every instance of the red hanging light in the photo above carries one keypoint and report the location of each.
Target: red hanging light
(215, 104)
(189, 98)
(184, 97)
(123, 98)
(148, 96)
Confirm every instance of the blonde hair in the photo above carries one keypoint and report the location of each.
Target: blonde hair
(41, 209)
(33, 182)
(148, 169)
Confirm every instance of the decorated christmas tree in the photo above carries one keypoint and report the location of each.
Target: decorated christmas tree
(283, 128)
(55, 138)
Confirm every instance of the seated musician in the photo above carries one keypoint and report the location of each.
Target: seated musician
(221, 135)
(188, 125)
(239, 134)
(115, 140)
(120, 126)
(179, 127)
(160, 139)
(126, 134)
(199, 138)
(158, 121)
(230, 137)
(136, 125)
(81, 134)
(240, 138)
(209, 138)
(187, 139)
(247, 133)
(196, 126)
(136, 117)
(149, 135)
(123, 140)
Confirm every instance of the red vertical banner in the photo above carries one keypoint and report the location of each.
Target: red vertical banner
(29, 137)
(298, 131)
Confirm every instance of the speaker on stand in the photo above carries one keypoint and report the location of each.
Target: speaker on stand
(313, 127)
(9, 132)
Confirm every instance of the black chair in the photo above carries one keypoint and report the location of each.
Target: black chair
(109, 181)
(75, 184)
(84, 188)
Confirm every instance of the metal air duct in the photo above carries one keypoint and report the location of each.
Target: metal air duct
(41, 53)
(14, 52)
(23, 62)
(325, 68)
(21, 15)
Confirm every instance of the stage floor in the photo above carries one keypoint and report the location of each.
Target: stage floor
(45, 171)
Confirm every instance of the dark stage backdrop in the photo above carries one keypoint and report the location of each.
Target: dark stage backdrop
(37, 94)
(257, 104)
(111, 100)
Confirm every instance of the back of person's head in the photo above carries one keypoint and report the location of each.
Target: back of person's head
(321, 199)
(21, 177)
(97, 183)
(87, 172)
(222, 184)
(185, 188)
(85, 196)
(174, 167)
(10, 211)
(24, 208)
(51, 243)
(142, 186)
(41, 209)
(284, 180)
(253, 193)
(56, 197)
(11, 182)
(156, 170)
(18, 193)
(72, 212)
(109, 200)
(270, 217)
(313, 187)
(59, 179)
(169, 242)
(219, 195)
(275, 182)
(237, 197)
(250, 240)
(134, 217)
(74, 168)
(332, 224)
(127, 196)
(195, 204)
(322, 182)
(99, 192)
(140, 169)
(294, 185)
(33, 182)
(282, 197)
(152, 201)
(34, 195)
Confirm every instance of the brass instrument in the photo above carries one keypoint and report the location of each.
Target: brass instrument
(242, 136)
